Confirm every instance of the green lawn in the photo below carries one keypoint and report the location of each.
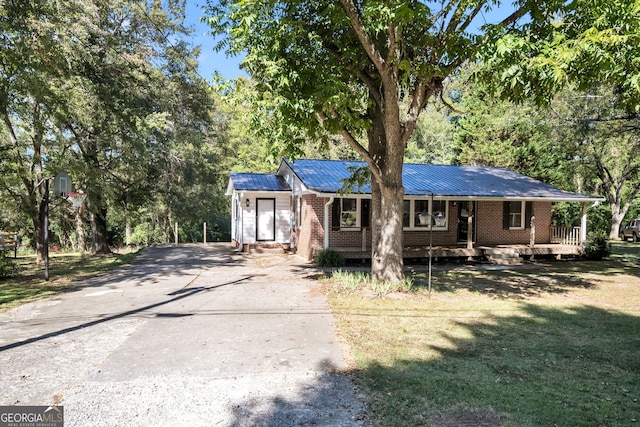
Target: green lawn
(64, 271)
(548, 343)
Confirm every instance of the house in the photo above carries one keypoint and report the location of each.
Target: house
(455, 210)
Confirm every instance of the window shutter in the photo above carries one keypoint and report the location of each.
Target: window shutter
(365, 208)
(505, 215)
(335, 214)
(528, 213)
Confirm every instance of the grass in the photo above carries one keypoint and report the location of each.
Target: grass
(549, 343)
(65, 269)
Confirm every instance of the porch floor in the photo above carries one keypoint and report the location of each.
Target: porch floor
(480, 252)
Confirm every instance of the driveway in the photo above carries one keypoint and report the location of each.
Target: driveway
(188, 335)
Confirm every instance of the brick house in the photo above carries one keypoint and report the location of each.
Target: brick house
(456, 210)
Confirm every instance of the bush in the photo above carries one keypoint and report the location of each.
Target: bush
(349, 282)
(597, 245)
(329, 258)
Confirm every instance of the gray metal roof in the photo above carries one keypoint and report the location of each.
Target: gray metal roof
(324, 176)
(258, 182)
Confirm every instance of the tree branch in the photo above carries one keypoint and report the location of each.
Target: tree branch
(369, 47)
(353, 142)
(363, 76)
(471, 16)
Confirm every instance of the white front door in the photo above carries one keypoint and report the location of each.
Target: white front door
(266, 219)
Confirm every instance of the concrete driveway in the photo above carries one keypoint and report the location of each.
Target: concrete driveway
(187, 335)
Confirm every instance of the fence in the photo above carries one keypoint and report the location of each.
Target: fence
(565, 235)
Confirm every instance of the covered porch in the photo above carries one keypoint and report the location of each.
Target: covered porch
(501, 254)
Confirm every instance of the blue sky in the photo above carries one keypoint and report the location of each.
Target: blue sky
(210, 60)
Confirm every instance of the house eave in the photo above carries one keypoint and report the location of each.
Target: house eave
(321, 193)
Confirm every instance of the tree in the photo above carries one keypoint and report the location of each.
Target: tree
(593, 41)
(33, 64)
(364, 70)
(495, 132)
(432, 140)
(100, 88)
(603, 137)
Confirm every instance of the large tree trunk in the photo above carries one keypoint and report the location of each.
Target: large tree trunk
(82, 245)
(387, 205)
(98, 220)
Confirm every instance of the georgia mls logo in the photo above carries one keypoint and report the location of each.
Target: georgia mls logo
(31, 416)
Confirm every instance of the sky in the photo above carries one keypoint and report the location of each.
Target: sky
(210, 61)
(228, 67)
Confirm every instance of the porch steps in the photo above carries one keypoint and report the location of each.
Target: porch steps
(503, 256)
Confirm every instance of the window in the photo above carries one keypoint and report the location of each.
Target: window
(439, 213)
(517, 215)
(350, 213)
(417, 214)
(421, 209)
(406, 214)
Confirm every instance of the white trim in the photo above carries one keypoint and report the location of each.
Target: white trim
(523, 210)
(412, 214)
(326, 222)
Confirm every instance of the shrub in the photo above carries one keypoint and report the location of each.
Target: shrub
(349, 282)
(329, 258)
(597, 245)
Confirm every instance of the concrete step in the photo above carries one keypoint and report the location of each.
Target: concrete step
(505, 260)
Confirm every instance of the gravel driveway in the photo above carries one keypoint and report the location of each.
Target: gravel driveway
(188, 335)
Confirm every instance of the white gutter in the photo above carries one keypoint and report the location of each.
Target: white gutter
(240, 221)
(326, 222)
(595, 199)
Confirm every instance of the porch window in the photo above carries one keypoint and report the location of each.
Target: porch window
(350, 213)
(419, 214)
(517, 215)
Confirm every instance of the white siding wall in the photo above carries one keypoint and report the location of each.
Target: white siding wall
(282, 216)
(234, 219)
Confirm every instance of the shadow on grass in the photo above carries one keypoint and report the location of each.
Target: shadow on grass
(543, 366)
(532, 279)
(507, 284)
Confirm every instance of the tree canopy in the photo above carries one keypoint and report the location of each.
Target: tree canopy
(367, 69)
(107, 90)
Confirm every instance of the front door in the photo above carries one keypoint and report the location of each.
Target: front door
(463, 220)
(265, 220)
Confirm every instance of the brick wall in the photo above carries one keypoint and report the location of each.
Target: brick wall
(311, 234)
(489, 228)
(491, 232)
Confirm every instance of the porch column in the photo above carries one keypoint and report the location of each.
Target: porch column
(326, 222)
(470, 224)
(583, 224)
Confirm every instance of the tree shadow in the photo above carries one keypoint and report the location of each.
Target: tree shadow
(542, 366)
(327, 399)
(508, 283)
(528, 280)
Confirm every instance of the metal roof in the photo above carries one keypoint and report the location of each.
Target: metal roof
(258, 182)
(324, 176)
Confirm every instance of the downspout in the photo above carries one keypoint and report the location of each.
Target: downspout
(240, 220)
(326, 222)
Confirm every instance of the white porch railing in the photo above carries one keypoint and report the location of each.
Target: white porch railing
(565, 235)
